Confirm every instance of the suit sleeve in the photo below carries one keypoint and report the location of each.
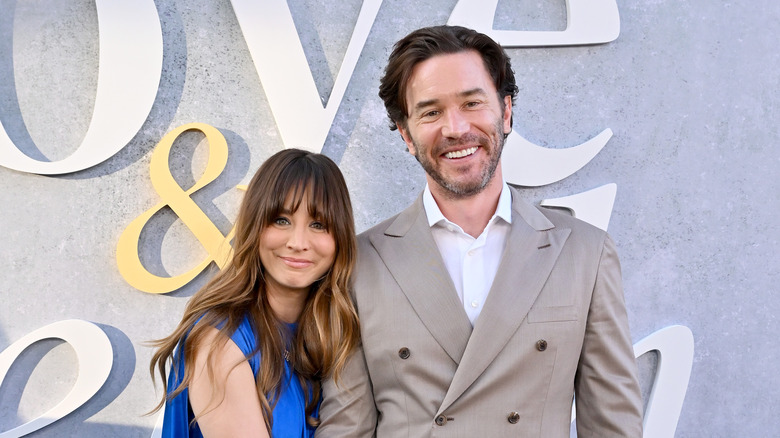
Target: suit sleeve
(608, 399)
(348, 408)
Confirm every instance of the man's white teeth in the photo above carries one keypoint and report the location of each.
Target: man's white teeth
(461, 153)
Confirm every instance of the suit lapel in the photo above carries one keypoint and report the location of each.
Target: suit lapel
(412, 257)
(532, 248)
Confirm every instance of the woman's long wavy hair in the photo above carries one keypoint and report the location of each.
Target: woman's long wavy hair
(328, 325)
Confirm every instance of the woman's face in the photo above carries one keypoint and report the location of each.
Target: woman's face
(296, 250)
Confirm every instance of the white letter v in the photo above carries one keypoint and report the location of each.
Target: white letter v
(278, 55)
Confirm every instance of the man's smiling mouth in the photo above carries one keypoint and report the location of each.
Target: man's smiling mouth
(461, 153)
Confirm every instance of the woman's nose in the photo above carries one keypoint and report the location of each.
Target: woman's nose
(298, 238)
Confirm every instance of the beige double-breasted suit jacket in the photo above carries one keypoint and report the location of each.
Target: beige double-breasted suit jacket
(554, 323)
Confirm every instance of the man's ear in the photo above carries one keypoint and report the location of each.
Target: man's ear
(407, 139)
(507, 116)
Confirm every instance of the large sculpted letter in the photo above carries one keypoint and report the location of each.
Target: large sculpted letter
(95, 358)
(674, 345)
(530, 165)
(593, 206)
(276, 50)
(130, 65)
(587, 22)
(596, 22)
(218, 246)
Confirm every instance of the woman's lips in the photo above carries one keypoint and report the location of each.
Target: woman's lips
(296, 263)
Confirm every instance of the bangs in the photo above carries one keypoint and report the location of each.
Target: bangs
(303, 179)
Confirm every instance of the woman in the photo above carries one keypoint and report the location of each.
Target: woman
(276, 319)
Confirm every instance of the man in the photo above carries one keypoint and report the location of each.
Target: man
(481, 315)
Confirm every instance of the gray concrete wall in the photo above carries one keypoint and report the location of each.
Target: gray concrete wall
(688, 88)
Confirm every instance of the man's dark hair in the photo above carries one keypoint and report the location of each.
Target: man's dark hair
(428, 42)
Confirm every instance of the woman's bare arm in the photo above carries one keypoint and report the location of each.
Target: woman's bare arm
(239, 413)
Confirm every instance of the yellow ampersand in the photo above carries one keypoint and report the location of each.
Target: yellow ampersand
(172, 195)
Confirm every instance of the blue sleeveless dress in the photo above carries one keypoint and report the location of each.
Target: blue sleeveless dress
(289, 414)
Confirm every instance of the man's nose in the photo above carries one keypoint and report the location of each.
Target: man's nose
(455, 124)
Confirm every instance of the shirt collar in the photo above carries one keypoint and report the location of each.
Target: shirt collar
(435, 216)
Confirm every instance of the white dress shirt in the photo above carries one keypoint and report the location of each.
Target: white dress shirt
(472, 263)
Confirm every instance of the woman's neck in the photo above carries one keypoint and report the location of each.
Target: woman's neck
(286, 306)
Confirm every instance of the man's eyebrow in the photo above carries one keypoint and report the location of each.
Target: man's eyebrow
(467, 93)
(424, 104)
(472, 92)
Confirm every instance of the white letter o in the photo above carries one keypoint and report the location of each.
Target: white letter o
(129, 70)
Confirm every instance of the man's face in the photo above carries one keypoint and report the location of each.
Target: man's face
(456, 123)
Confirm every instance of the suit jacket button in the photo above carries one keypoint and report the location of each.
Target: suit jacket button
(404, 353)
(541, 345)
(441, 420)
(513, 418)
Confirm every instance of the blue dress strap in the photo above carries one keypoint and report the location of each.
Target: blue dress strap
(289, 417)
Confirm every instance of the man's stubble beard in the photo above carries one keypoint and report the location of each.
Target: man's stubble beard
(454, 189)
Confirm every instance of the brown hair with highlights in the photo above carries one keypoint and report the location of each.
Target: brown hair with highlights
(328, 326)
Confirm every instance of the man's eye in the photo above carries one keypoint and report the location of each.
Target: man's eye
(429, 114)
(472, 104)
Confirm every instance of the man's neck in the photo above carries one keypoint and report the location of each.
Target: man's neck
(473, 213)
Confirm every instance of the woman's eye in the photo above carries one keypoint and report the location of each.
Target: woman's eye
(318, 225)
(282, 221)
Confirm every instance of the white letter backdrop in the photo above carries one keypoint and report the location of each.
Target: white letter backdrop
(656, 120)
